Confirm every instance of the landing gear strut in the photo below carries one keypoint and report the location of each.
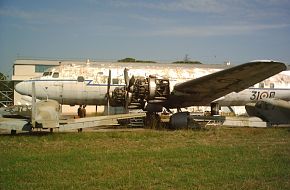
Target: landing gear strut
(82, 111)
(214, 108)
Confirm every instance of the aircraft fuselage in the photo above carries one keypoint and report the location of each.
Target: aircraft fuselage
(81, 85)
(251, 95)
(70, 92)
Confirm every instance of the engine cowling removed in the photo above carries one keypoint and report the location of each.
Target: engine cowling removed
(143, 91)
(118, 97)
(151, 89)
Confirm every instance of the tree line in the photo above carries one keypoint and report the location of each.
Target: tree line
(133, 60)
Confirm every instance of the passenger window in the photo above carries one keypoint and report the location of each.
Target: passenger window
(55, 75)
(272, 85)
(115, 81)
(261, 85)
(99, 79)
(81, 79)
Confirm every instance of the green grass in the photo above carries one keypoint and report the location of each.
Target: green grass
(219, 158)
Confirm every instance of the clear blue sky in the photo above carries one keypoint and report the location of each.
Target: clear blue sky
(211, 31)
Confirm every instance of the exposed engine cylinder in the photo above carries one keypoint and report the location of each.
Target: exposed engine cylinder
(214, 109)
(151, 89)
(118, 97)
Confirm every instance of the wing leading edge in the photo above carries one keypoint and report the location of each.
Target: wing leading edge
(203, 90)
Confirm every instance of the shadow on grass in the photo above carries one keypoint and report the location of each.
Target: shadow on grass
(32, 133)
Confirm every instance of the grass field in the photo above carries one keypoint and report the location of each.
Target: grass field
(218, 158)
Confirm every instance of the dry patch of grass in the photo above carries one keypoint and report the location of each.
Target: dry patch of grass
(218, 158)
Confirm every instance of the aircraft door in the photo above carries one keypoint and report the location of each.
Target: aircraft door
(57, 86)
(98, 91)
(80, 91)
(58, 91)
(73, 92)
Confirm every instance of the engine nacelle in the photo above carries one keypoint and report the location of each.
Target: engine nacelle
(179, 120)
(118, 97)
(158, 89)
(151, 89)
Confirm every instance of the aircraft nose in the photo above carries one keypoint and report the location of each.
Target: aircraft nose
(22, 88)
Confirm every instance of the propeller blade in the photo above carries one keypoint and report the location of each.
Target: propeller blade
(128, 100)
(126, 77)
(131, 83)
(109, 82)
(108, 91)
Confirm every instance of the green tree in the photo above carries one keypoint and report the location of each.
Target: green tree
(132, 60)
(127, 59)
(187, 62)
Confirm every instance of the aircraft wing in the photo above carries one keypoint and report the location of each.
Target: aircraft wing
(203, 90)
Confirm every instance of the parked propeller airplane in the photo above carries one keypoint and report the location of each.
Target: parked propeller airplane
(150, 87)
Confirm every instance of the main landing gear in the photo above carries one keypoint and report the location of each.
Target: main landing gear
(82, 111)
(214, 109)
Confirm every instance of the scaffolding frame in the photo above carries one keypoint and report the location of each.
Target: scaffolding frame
(6, 92)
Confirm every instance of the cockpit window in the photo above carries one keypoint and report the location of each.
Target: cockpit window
(47, 74)
(55, 75)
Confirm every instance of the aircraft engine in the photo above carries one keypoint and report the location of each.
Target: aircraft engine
(179, 120)
(118, 97)
(151, 89)
(158, 89)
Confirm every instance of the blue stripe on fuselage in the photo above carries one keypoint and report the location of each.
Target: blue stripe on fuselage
(89, 82)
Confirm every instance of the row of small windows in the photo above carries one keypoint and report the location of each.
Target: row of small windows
(262, 85)
(79, 79)
(116, 80)
(82, 79)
